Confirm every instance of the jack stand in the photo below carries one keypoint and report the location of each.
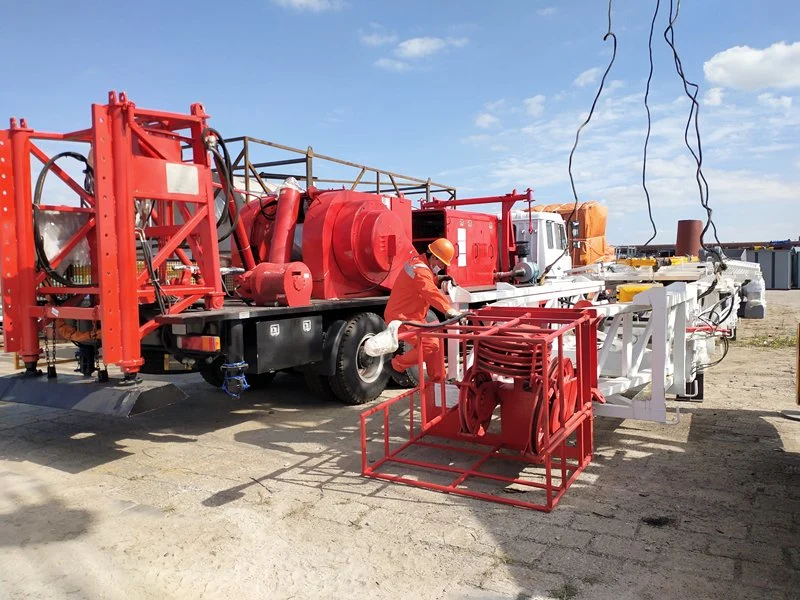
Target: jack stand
(86, 356)
(31, 370)
(130, 379)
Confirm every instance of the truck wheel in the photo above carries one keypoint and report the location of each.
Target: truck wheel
(212, 373)
(359, 378)
(410, 378)
(318, 384)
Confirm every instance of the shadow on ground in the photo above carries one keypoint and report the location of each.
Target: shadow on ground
(657, 499)
(37, 516)
(74, 441)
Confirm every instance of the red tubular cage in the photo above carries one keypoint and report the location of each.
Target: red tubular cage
(536, 369)
(136, 155)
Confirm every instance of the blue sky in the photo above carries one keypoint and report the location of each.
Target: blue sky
(485, 96)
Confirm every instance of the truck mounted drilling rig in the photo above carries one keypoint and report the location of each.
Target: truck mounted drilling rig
(180, 254)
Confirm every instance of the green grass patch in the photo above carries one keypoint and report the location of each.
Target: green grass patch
(565, 592)
(771, 341)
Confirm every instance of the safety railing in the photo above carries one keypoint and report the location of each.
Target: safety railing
(263, 164)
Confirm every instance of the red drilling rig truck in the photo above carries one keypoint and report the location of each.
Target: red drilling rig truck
(180, 253)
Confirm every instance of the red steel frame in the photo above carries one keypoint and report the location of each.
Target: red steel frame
(508, 243)
(566, 449)
(133, 150)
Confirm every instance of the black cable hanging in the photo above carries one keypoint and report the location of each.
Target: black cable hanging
(613, 37)
(693, 120)
(649, 126)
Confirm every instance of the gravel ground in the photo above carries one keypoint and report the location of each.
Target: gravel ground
(262, 498)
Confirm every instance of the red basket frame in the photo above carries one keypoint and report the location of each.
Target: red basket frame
(564, 453)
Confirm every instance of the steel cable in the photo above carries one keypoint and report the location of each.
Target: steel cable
(649, 125)
(694, 112)
(609, 34)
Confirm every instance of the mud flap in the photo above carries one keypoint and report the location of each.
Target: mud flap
(71, 392)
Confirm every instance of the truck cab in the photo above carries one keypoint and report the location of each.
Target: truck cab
(546, 237)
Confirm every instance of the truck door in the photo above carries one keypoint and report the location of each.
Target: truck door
(554, 240)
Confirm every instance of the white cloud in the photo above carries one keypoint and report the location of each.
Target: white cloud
(377, 38)
(587, 77)
(312, 5)
(713, 97)
(773, 101)
(535, 105)
(547, 11)
(495, 105)
(419, 47)
(485, 120)
(425, 46)
(391, 64)
(751, 69)
(615, 84)
(458, 42)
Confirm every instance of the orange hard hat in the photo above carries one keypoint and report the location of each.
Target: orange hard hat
(443, 250)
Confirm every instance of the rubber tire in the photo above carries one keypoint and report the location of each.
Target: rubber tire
(212, 373)
(410, 378)
(346, 384)
(318, 384)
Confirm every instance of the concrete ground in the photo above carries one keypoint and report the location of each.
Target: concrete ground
(262, 498)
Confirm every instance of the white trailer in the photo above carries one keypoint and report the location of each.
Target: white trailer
(655, 346)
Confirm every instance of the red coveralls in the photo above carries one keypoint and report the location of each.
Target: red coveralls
(414, 292)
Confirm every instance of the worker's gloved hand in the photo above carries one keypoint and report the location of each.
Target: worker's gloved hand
(440, 279)
(452, 313)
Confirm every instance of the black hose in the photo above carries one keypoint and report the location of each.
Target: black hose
(438, 324)
(694, 112)
(43, 260)
(224, 166)
(227, 182)
(610, 34)
(649, 128)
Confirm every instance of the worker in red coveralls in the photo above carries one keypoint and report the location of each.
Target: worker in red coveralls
(413, 293)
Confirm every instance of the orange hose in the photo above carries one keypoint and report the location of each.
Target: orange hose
(72, 334)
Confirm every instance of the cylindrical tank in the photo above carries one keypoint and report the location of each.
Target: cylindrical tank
(285, 284)
(280, 249)
(688, 242)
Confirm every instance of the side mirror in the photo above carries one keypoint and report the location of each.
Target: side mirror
(576, 228)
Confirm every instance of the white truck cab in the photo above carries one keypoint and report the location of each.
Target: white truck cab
(546, 237)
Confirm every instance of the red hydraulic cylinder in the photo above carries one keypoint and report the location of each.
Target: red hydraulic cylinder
(285, 285)
(23, 294)
(280, 249)
(126, 236)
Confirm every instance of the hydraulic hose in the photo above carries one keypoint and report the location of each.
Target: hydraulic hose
(225, 170)
(437, 324)
(43, 260)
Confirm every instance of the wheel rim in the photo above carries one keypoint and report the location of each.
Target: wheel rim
(369, 368)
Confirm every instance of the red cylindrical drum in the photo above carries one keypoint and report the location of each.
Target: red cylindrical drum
(285, 285)
(688, 242)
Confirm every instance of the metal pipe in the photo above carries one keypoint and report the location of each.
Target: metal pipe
(280, 248)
